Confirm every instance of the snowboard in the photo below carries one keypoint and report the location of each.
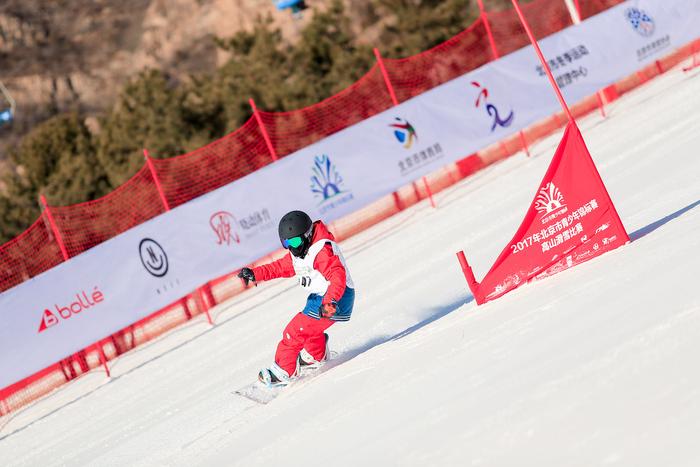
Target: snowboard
(262, 394)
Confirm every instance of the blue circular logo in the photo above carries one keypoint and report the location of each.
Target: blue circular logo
(640, 21)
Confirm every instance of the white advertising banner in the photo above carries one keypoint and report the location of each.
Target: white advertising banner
(150, 266)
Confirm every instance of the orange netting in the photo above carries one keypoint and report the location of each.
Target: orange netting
(205, 169)
(545, 17)
(241, 152)
(82, 226)
(290, 131)
(458, 55)
(31, 253)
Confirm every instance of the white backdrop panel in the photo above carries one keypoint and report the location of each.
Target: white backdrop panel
(125, 279)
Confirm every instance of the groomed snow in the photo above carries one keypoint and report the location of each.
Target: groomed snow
(595, 366)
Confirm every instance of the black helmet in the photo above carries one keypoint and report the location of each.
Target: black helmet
(296, 224)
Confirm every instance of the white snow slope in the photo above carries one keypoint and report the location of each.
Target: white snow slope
(597, 365)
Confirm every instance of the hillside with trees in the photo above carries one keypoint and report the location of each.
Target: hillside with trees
(78, 152)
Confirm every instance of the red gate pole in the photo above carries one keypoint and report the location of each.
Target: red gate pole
(495, 56)
(538, 51)
(469, 276)
(64, 252)
(576, 19)
(395, 101)
(166, 205)
(266, 136)
(553, 82)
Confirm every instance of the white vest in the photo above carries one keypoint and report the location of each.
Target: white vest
(311, 279)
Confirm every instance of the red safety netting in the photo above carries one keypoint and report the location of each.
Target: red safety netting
(243, 151)
(32, 252)
(291, 131)
(237, 154)
(544, 16)
(460, 54)
(82, 226)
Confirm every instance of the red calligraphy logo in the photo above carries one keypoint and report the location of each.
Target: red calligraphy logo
(222, 223)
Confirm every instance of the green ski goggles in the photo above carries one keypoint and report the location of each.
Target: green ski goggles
(294, 242)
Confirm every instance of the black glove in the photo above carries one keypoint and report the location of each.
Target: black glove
(247, 275)
(328, 310)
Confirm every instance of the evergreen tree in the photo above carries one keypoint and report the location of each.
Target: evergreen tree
(171, 118)
(328, 58)
(56, 159)
(148, 114)
(258, 68)
(419, 25)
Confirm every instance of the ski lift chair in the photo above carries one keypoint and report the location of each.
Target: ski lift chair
(296, 6)
(7, 110)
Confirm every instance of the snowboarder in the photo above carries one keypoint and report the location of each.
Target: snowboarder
(317, 262)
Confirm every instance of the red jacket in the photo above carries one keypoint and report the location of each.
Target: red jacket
(326, 262)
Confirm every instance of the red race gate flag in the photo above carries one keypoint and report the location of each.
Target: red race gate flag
(571, 220)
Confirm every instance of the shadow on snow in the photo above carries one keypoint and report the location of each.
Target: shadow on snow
(637, 234)
(435, 314)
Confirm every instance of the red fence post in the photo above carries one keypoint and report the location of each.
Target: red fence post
(430, 193)
(659, 67)
(103, 358)
(523, 141)
(258, 119)
(166, 205)
(395, 101)
(161, 193)
(64, 252)
(601, 103)
(484, 18)
(202, 300)
(385, 75)
(694, 53)
(4, 407)
(53, 227)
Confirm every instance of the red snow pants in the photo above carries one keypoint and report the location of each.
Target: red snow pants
(302, 332)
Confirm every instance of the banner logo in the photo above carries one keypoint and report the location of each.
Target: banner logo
(326, 181)
(153, 257)
(550, 203)
(82, 302)
(327, 184)
(48, 320)
(421, 155)
(404, 132)
(549, 199)
(640, 21)
(221, 223)
(491, 109)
